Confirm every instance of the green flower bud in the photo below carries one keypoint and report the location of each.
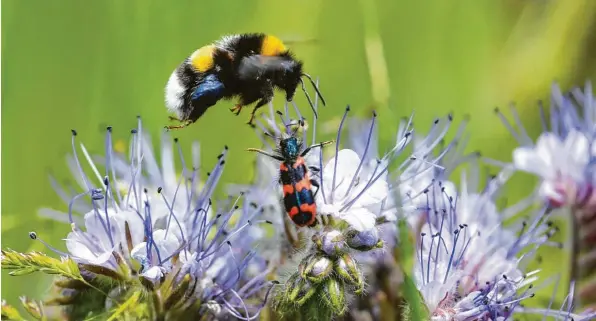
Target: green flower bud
(298, 290)
(334, 296)
(348, 270)
(316, 268)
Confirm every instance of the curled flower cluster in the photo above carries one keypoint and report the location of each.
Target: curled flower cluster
(328, 273)
(150, 242)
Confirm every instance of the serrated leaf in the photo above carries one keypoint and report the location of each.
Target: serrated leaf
(38, 262)
(10, 313)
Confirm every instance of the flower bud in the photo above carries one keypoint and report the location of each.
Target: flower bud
(348, 270)
(364, 240)
(331, 243)
(334, 296)
(298, 290)
(315, 268)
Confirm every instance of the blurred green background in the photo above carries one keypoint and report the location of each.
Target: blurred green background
(86, 64)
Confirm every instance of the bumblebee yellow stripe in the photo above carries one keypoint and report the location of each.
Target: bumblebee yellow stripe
(272, 46)
(202, 59)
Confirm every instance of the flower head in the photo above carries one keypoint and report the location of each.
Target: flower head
(164, 227)
(469, 264)
(563, 156)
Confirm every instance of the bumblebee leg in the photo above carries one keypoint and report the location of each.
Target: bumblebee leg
(314, 169)
(183, 125)
(236, 109)
(257, 106)
(315, 145)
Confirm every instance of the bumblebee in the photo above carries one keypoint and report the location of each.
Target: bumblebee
(247, 66)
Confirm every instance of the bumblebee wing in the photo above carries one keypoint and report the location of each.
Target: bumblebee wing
(209, 91)
(252, 66)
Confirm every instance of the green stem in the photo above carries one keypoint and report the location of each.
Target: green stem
(574, 238)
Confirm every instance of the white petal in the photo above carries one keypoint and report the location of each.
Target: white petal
(373, 195)
(548, 144)
(154, 273)
(327, 209)
(139, 252)
(360, 219)
(347, 164)
(167, 245)
(135, 226)
(576, 148)
(79, 249)
(527, 159)
(96, 224)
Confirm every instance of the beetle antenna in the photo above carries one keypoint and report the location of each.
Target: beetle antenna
(300, 124)
(315, 87)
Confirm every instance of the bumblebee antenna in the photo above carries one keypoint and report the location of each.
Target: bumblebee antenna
(308, 98)
(315, 87)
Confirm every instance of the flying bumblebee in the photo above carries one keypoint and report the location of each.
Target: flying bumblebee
(247, 66)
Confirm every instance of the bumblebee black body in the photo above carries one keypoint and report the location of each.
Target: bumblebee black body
(298, 195)
(247, 66)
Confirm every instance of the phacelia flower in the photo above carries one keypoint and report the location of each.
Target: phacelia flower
(469, 264)
(564, 157)
(150, 226)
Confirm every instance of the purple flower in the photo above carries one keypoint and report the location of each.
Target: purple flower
(166, 222)
(563, 156)
(470, 264)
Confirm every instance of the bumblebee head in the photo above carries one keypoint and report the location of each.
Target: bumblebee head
(289, 78)
(292, 77)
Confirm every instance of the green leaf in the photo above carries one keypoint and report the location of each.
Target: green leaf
(416, 308)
